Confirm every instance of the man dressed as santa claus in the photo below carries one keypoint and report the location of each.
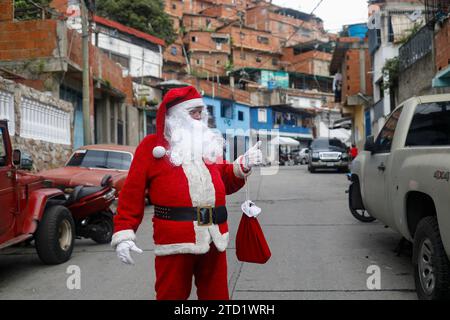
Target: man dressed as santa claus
(181, 169)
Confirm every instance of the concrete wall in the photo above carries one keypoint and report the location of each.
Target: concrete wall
(133, 126)
(143, 62)
(45, 155)
(410, 84)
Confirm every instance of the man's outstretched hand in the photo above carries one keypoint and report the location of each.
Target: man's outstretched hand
(253, 157)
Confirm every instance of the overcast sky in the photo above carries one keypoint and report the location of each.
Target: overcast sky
(334, 13)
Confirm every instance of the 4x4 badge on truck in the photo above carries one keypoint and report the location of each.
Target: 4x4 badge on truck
(442, 175)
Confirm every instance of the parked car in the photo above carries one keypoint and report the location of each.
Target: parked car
(327, 153)
(402, 179)
(30, 209)
(304, 156)
(89, 164)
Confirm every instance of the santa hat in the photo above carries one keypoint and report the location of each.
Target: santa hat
(185, 97)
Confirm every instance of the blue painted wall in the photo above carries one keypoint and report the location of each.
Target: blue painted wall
(224, 124)
(228, 126)
(269, 125)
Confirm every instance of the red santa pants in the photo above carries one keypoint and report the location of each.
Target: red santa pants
(174, 276)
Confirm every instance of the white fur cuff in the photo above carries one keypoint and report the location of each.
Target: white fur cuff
(237, 169)
(121, 236)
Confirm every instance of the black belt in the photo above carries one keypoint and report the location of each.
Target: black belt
(205, 216)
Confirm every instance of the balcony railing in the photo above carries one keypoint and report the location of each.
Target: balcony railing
(436, 10)
(416, 48)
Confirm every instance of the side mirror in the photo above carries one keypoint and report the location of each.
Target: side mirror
(307, 151)
(370, 144)
(22, 159)
(17, 157)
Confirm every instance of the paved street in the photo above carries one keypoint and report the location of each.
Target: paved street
(319, 251)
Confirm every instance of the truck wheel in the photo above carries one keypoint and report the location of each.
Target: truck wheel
(431, 264)
(360, 214)
(55, 235)
(311, 169)
(101, 228)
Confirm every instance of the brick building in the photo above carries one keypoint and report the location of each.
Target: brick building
(209, 53)
(289, 26)
(48, 57)
(310, 58)
(350, 65)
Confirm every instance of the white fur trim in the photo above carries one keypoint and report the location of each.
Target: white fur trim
(201, 245)
(190, 104)
(121, 236)
(203, 238)
(238, 170)
(201, 187)
(159, 152)
(220, 240)
(202, 193)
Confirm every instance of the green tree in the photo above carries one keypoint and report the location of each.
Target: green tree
(29, 10)
(145, 15)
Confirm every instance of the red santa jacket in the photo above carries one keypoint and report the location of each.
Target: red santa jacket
(188, 185)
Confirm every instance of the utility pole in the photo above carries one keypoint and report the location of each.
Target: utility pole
(86, 82)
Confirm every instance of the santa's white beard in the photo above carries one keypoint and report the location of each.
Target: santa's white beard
(192, 140)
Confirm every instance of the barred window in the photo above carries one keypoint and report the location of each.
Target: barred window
(40, 121)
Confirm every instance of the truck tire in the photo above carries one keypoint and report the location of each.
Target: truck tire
(102, 228)
(55, 235)
(359, 214)
(431, 264)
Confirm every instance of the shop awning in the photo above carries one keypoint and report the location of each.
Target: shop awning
(285, 141)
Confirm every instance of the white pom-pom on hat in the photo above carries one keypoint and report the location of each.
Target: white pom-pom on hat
(159, 152)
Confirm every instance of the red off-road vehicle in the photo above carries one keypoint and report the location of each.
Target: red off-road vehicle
(30, 210)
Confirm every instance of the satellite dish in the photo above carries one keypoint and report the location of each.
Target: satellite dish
(416, 15)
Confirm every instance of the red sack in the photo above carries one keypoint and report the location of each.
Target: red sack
(251, 245)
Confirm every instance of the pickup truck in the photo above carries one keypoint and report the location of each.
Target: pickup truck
(402, 178)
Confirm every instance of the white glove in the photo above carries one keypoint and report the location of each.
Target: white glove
(250, 209)
(253, 157)
(123, 251)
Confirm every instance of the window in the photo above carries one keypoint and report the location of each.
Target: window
(262, 115)
(240, 116)
(217, 61)
(430, 125)
(275, 61)
(173, 51)
(7, 110)
(194, 39)
(124, 61)
(242, 35)
(226, 110)
(44, 122)
(263, 40)
(384, 140)
(100, 159)
(174, 6)
(243, 57)
(198, 62)
(258, 59)
(210, 110)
